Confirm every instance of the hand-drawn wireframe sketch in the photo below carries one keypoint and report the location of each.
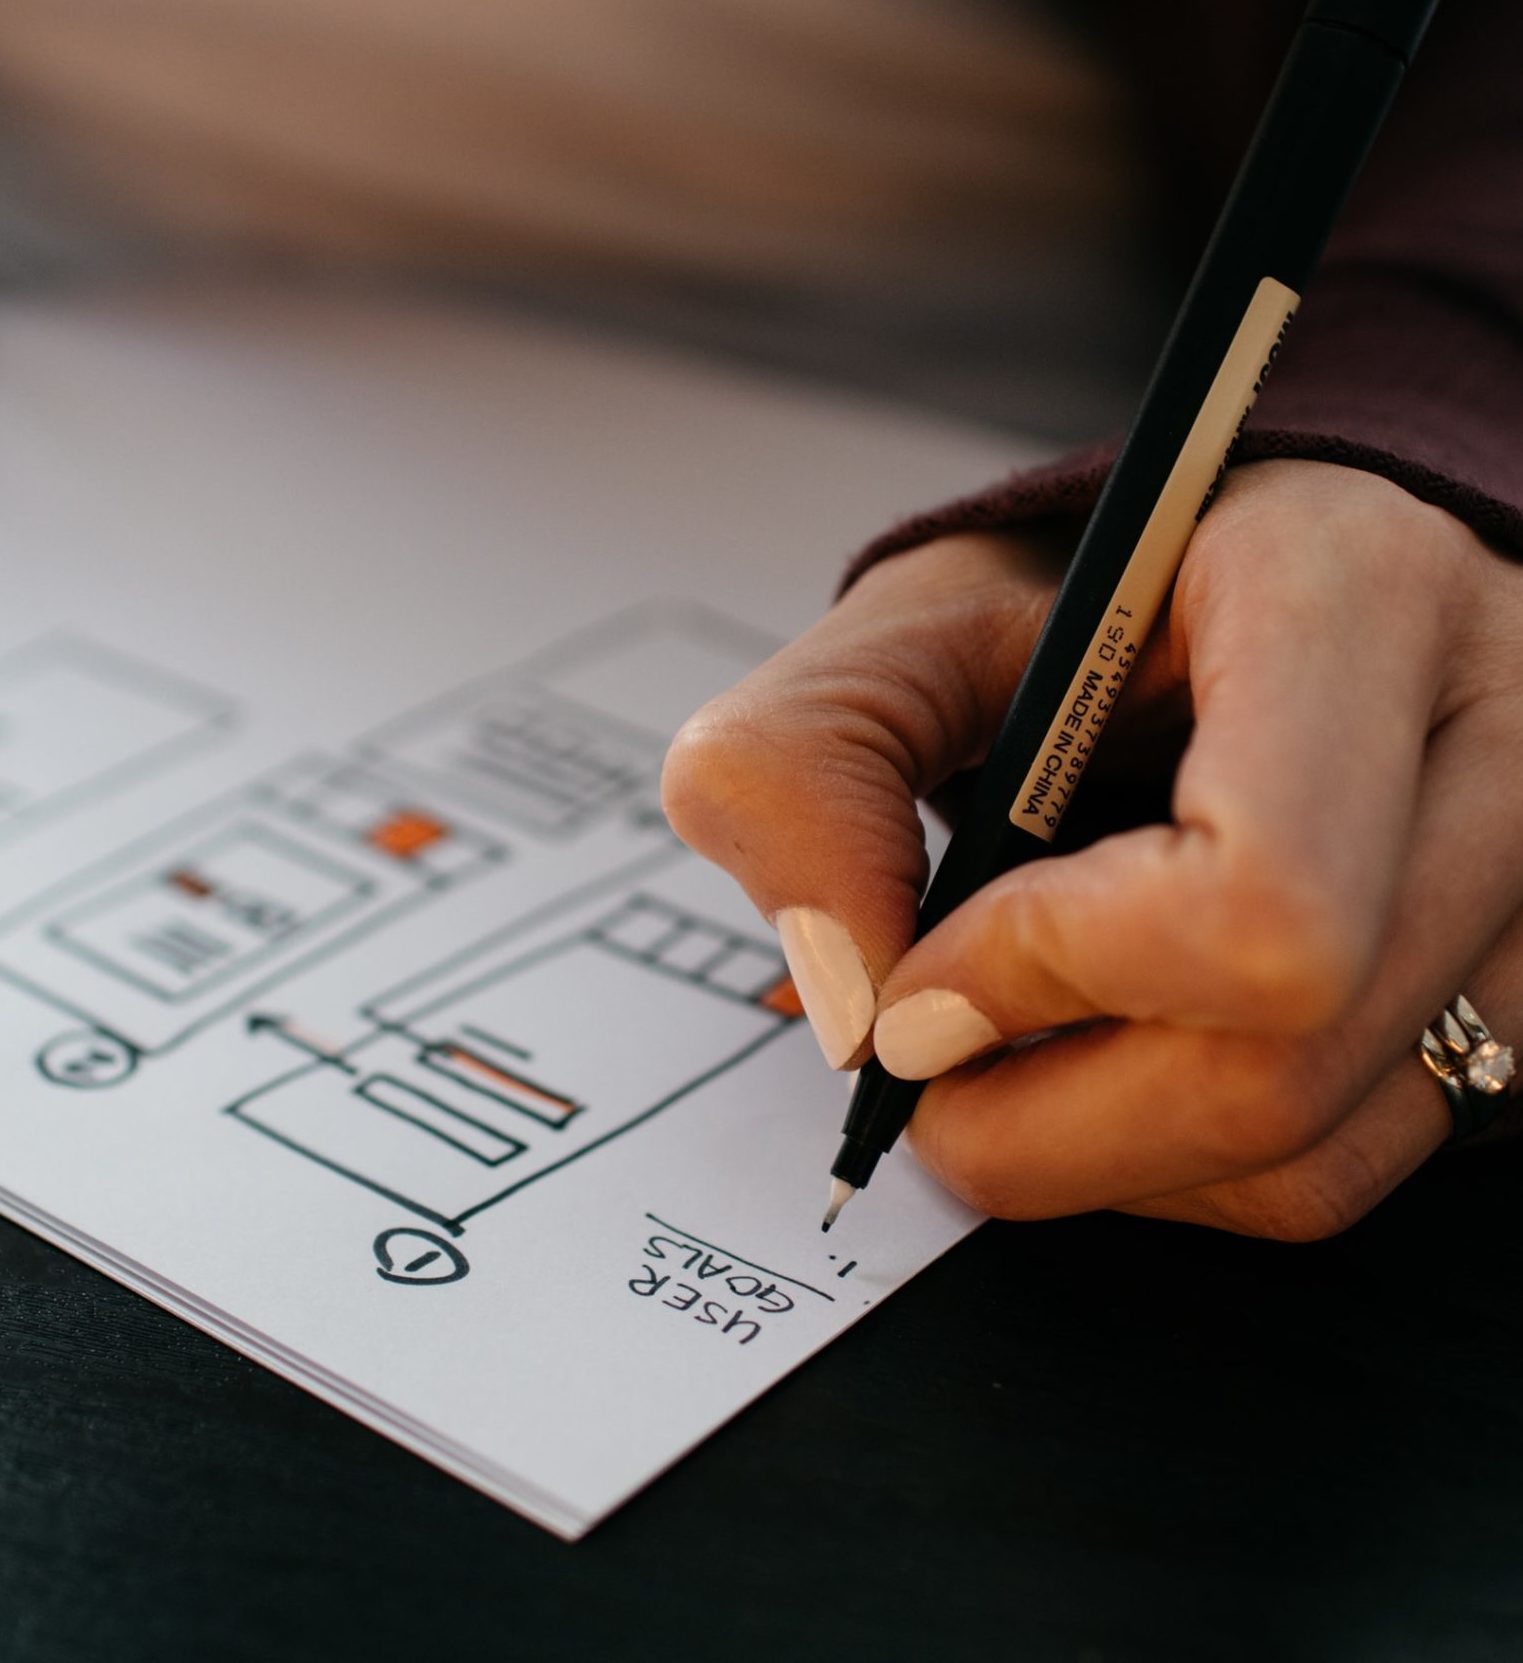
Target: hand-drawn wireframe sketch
(78, 720)
(463, 1085)
(161, 940)
(166, 937)
(451, 1090)
(471, 1083)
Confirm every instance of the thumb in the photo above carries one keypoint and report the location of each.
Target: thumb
(802, 780)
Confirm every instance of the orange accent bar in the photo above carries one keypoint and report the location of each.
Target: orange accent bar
(190, 882)
(782, 999)
(406, 834)
(458, 1053)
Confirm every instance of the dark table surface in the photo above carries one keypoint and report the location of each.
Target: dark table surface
(1093, 1440)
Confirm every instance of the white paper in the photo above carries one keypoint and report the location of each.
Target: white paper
(355, 1001)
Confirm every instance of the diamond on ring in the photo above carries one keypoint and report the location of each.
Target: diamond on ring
(1489, 1067)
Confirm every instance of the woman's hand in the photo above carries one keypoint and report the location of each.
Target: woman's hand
(1337, 699)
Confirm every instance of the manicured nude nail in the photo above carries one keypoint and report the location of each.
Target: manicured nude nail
(927, 1033)
(832, 981)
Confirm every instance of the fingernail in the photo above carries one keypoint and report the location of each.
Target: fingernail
(927, 1033)
(832, 981)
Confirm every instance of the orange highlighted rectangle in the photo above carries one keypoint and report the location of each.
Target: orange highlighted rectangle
(546, 1104)
(190, 883)
(406, 834)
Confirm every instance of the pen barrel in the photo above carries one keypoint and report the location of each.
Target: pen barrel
(1328, 104)
(1337, 83)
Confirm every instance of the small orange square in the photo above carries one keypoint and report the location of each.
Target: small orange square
(782, 999)
(406, 834)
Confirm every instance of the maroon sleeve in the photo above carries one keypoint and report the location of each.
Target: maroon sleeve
(1407, 356)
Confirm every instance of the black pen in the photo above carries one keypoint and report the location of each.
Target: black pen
(1337, 83)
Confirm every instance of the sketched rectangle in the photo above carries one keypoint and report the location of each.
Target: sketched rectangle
(67, 930)
(471, 1137)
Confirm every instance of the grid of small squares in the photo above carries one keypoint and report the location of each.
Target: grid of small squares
(695, 949)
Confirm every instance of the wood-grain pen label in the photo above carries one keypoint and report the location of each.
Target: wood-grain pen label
(1070, 740)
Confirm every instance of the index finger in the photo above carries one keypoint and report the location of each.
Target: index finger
(802, 780)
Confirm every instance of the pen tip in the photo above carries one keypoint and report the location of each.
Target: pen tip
(840, 1193)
